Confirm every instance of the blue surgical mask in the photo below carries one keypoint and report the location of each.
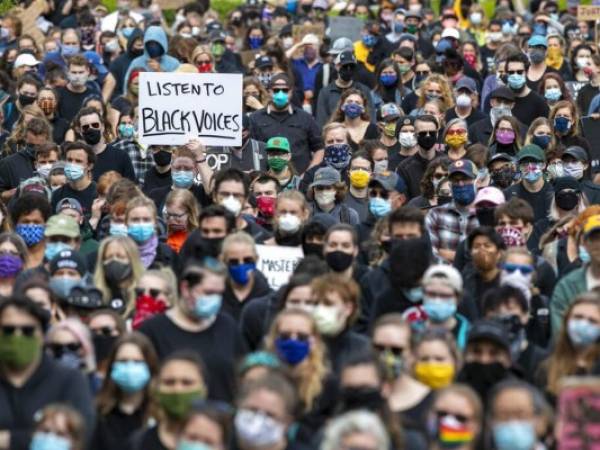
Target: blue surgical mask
(582, 332)
(352, 110)
(584, 255)
(514, 435)
(74, 172)
(280, 99)
(207, 306)
(438, 310)
(369, 40)
(292, 351)
(562, 124)
(414, 295)
(240, 273)
(182, 179)
(62, 286)
(532, 175)
(388, 79)
(553, 94)
(31, 233)
(117, 229)
(130, 376)
(54, 248)
(184, 444)
(255, 42)
(126, 31)
(126, 130)
(463, 195)
(69, 50)
(398, 27)
(49, 441)
(379, 207)
(141, 232)
(516, 81)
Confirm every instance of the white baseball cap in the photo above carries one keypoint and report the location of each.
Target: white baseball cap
(25, 59)
(450, 33)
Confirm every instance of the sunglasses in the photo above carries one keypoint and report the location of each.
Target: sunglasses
(95, 126)
(25, 330)
(423, 74)
(396, 351)
(152, 292)
(515, 72)
(383, 194)
(426, 133)
(456, 132)
(299, 336)
(525, 269)
(239, 262)
(277, 90)
(59, 349)
(460, 417)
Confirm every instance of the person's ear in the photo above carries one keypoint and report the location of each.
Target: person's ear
(527, 229)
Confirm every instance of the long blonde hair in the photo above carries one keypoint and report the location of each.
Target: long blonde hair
(310, 374)
(446, 100)
(137, 269)
(187, 201)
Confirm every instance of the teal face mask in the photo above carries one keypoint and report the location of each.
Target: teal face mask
(280, 99)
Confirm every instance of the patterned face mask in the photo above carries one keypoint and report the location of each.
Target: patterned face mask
(337, 155)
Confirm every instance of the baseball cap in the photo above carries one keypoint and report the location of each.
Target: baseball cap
(566, 183)
(450, 33)
(389, 112)
(25, 59)
(413, 14)
(278, 143)
(490, 194)
(94, 59)
(217, 36)
(448, 275)
(57, 167)
(531, 151)
(280, 77)
(62, 225)
(263, 61)
(405, 121)
(386, 179)
(500, 157)
(340, 45)
(346, 57)
(537, 40)
(69, 203)
(310, 39)
(326, 176)
(321, 4)
(466, 83)
(592, 224)
(464, 166)
(576, 152)
(68, 259)
(504, 93)
(489, 330)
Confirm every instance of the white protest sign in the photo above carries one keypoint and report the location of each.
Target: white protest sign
(174, 107)
(278, 263)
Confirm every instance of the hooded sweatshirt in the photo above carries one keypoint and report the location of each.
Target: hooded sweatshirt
(167, 63)
(120, 65)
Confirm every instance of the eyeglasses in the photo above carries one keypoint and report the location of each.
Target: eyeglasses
(462, 418)
(25, 330)
(397, 351)
(277, 90)
(238, 262)
(377, 193)
(298, 336)
(152, 292)
(103, 331)
(525, 269)
(456, 131)
(515, 72)
(95, 125)
(59, 349)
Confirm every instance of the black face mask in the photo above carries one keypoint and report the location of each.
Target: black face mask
(162, 158)
(116, 271)
(102, 346)
(339, 261)
(363, 397)
(485, 215)
(306, 8)
(443, 199)
(502, 178)
(25, 100)
(212, 246)
(482, 377)
(347, 72)
(92, 136)
(310, 248)
(154, 49)
(135, 52)
(426, 141)
(566, 200)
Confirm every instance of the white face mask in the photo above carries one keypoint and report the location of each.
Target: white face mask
(44, 170)
(288, 42)
(407, 139)
(256, 429)
(498, 111)
(463, 101)
(517, 280)
(289, 223)
(328, 320)
(574, 169)
(232, 204)
(324, 198)
(380, 166)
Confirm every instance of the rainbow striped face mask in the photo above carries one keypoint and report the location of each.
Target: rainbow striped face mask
(451, 431)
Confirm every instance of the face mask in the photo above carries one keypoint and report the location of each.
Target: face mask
(426, 142)
(141, 232)
(288, 42)
(154, 49)
(177, 405)
(69, 50)
(17, 351)
(574, 169)
(217, 50)
(116, 271)
(292, 351)
(449, 432)
(325, 198)
(182, 179)
(456, 140)
(582, 332)
(277, 164)
(44, 170)
(388, 79)
(463, 195)
(398, 27)
(265, 79)
(584, 255)
(240, 273)
(566, 201)
(537, 56)
(77, 80)
(54, 248)
(514, 435)
(26, 100)
(327, 320)
(207, 306)
(162, 158)
(380, 166)
(414, 295)
(92, 136)
(352, 110)
(393, 364)
(471, 59)
(339, 261)
(463, 101)
(62, 286)
(517, 280)
(280, 99)
(532, 173)
(74, 172)
(112, 46)
(126, 131)
(432, 97)
(562, 124)
(31, 233)
(407, 139)
(289, 223)
(516, 82)
(204, 67)
(47, 105)
(255, 42)
(346, 72)
(360, 397)
(266, 206)
(505, 137)
(49, 441)
(379, 207)
(369, 40)
(553, 94)
(130, 376)
(484, 261)
(494, 36)
(499, 111)
(389, 129)
(255, 429)
(310, 54)
(411, 28)
(475, 18)
(359, 179)
(337, 155)
(192, 445)
(482, 377)
(438, 309)
(232, 204)
(512, 236)
(542, 140)
(436, 375)
(10, 265)
(117, 229)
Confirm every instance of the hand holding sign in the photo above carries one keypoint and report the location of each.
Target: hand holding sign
(197, 147)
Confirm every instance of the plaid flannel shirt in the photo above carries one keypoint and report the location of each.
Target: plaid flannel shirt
(447, 226)
(141, 159)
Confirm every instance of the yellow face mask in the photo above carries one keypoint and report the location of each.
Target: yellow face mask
(554, 57)
(433, 374)
(456, 140)
(359, 178)
(389, 129)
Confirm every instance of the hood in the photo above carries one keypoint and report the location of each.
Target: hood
(157, 34)
(136, 34)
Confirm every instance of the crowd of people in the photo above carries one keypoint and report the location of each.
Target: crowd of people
(440, 172)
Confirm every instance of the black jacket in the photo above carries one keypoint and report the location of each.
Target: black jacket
(233, 306)
(120, 65)
(412, 170)
(14, 169)
(481, 131)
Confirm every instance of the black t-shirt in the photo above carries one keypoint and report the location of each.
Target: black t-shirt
(69, 102)
(585, 96)
(475, 115)
(530, 107)
(113, 159)
(534, 85)
(540, 201)
(154, 180)
(148, 440)
(115, 429)
(59, 129)
(219, 346)
(86, 197)
(233, 306)
(159, 195)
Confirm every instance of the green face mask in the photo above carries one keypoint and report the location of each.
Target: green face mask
(277, 164)
(411, 28)
(362, 16)
(217, 49)
(403, 68)
(178, 404)
(18, 351)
